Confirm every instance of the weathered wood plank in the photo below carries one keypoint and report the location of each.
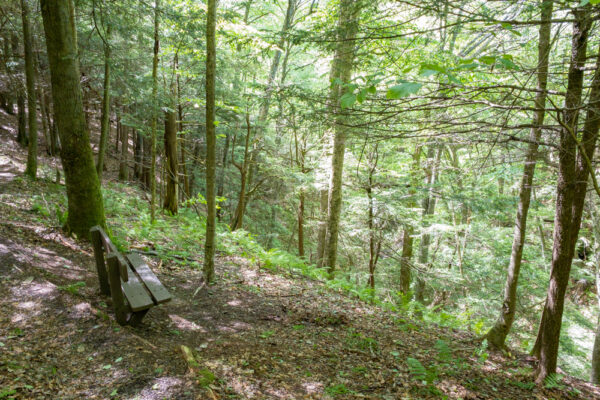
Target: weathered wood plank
(157, 290)
(116, 292)
(109, 247)
(96, 234)
(135, 292)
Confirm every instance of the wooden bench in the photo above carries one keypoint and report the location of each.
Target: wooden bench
(126, 277)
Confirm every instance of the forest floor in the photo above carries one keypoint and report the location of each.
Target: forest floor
(255, 334)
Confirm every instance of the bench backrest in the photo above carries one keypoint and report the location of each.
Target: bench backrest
(103, 245)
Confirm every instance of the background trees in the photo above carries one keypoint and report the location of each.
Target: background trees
(392, 143)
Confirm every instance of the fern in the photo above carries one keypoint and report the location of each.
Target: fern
(444, 351)
(416, 369)
(553, 381)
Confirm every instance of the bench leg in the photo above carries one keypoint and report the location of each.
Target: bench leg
(137, 316)
(115, 289)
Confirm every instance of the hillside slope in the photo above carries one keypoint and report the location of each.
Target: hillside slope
(255, 334)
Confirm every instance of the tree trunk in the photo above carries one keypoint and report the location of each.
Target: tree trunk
(146, 161)
(123, 167)
(301, 224)
(138, 152)
(238, 216)
(221, 184)
(209, 245)
(22, 137)
(154, 114)
(170, 202)
(105, 115)
(322, 228)
(568, 197)
(31, 169)
(497, 335)
(429, 203)
(85, 208)
(342, 70)
(407, 236)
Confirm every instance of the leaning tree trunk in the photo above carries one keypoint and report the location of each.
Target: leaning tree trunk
(85, 208)
(105, 116)
(31, 169)
(211, 56)
(568, 197)
(341, 70)
(497, 335)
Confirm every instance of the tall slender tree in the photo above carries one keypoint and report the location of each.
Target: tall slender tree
(154, 113)
(105, 113)
(211, 61)
(341, 73)
(31, 169)
(570, 196)
(85, 208)
(497, 335)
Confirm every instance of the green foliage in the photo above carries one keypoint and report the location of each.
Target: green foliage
(337, 390)
(403, 89)
(553, 381)
(72, 288)
(205, 377)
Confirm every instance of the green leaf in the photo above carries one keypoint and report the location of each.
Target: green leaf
(361, 95)
(372, 90)
(347, 100)
(489, 60)
(431, 69)
(403, 90)
(507, 62)
(107, 366)
(594, 2)
(584, 3)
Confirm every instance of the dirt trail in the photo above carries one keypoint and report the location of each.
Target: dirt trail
(255, 334)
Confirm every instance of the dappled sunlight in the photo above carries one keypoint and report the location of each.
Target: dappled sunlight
(32, 289)
(158, 389)
(312, 387)
(185, 324)
(80, 310)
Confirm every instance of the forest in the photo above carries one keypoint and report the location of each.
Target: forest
(340, 199)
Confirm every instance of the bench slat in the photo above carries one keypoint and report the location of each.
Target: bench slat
(159, 293)
(134, 290)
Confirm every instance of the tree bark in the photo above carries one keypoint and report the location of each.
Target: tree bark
(31, 169)
(154, 114)
(322, 227)
(209, 245)
(22, 137)
(342, 70)
(85, 208)
(568, 197)
(105, 115)
(429, 203)
(170, 202)
(497, 335)
(123, 167)
(238, 216)
(408, 233)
